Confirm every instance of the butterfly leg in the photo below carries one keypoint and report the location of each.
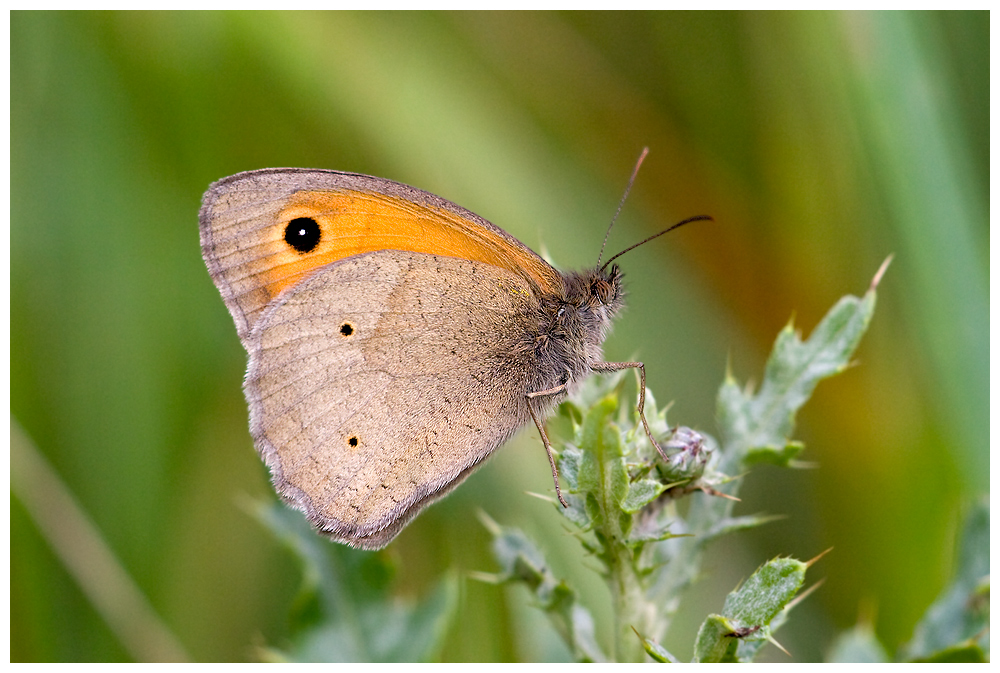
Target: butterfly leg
(609, 367)
(545, 438)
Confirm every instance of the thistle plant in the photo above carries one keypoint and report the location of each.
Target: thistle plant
(623, 495)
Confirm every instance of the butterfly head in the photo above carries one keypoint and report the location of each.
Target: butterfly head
(593, 298)
(605, 288)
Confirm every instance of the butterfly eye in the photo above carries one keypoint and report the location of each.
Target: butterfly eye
(602, 290)
(303, 234)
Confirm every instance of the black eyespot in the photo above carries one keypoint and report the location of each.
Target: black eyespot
(353, 442)
(347, 329)
(303, 234)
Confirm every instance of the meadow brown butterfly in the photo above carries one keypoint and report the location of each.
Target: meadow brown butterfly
(395, 339)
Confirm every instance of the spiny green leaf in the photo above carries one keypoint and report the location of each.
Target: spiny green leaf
(857, 646)
(603, 479)
(656, 651)
(573, 411)
(345, 610)
(521, 561)
(638, 538)
(713, 643)
(766, 420)
(518, 557)
(968, 652)
(602, 451)
(394, 630)
(748, 612)
(641, 493)
(767, 591)
(962, 610)
(733, 524)
(569, 467)
(773, 455)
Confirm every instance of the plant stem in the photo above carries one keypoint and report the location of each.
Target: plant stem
(630, 607)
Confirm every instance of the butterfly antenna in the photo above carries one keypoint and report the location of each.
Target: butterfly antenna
(628, 188)
(696, 218)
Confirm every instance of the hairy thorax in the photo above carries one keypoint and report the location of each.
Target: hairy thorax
(571, 327)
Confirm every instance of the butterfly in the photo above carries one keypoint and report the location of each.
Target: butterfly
(395, 339)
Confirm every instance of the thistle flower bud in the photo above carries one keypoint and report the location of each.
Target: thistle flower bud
(686, 455)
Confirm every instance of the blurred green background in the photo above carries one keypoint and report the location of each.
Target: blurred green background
(820, 142)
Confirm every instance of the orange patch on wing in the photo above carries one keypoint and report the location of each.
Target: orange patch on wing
(354, 222)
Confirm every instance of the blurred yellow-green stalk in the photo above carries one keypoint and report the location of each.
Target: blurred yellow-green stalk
(820, 143)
